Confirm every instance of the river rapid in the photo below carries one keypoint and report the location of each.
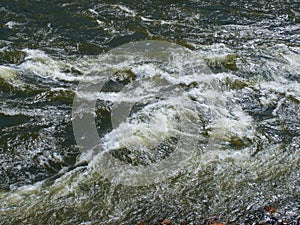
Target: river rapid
(214, 123)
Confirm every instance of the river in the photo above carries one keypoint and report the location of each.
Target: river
(209, 94)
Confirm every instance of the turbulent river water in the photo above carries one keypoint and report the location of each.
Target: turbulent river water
(226, 101)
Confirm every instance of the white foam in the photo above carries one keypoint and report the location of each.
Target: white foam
(126, 9)
(7, 73)
(41, 64)
(147, 19)
(10, 75)
(93, 11)
(145, 129)
(12, 24)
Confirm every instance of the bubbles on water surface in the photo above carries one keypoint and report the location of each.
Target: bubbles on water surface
(160, 72)
(214, 118)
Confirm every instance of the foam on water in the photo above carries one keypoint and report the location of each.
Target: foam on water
(41, 64)
(237, 126)
(7, 73)
(126, 9)
(219, 133)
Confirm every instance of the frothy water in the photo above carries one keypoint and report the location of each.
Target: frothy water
(187, 134)
(234, 148)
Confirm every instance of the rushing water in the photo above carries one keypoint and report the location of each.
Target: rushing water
(238, 122)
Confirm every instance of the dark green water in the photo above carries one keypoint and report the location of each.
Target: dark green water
(253, 51)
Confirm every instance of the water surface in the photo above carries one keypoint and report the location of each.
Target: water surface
(247, 106)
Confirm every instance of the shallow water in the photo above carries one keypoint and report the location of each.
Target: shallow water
(235, 118)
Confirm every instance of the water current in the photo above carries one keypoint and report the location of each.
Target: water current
(198, 116)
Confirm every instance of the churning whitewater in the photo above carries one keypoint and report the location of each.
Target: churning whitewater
(192, 124)
(118, 113)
